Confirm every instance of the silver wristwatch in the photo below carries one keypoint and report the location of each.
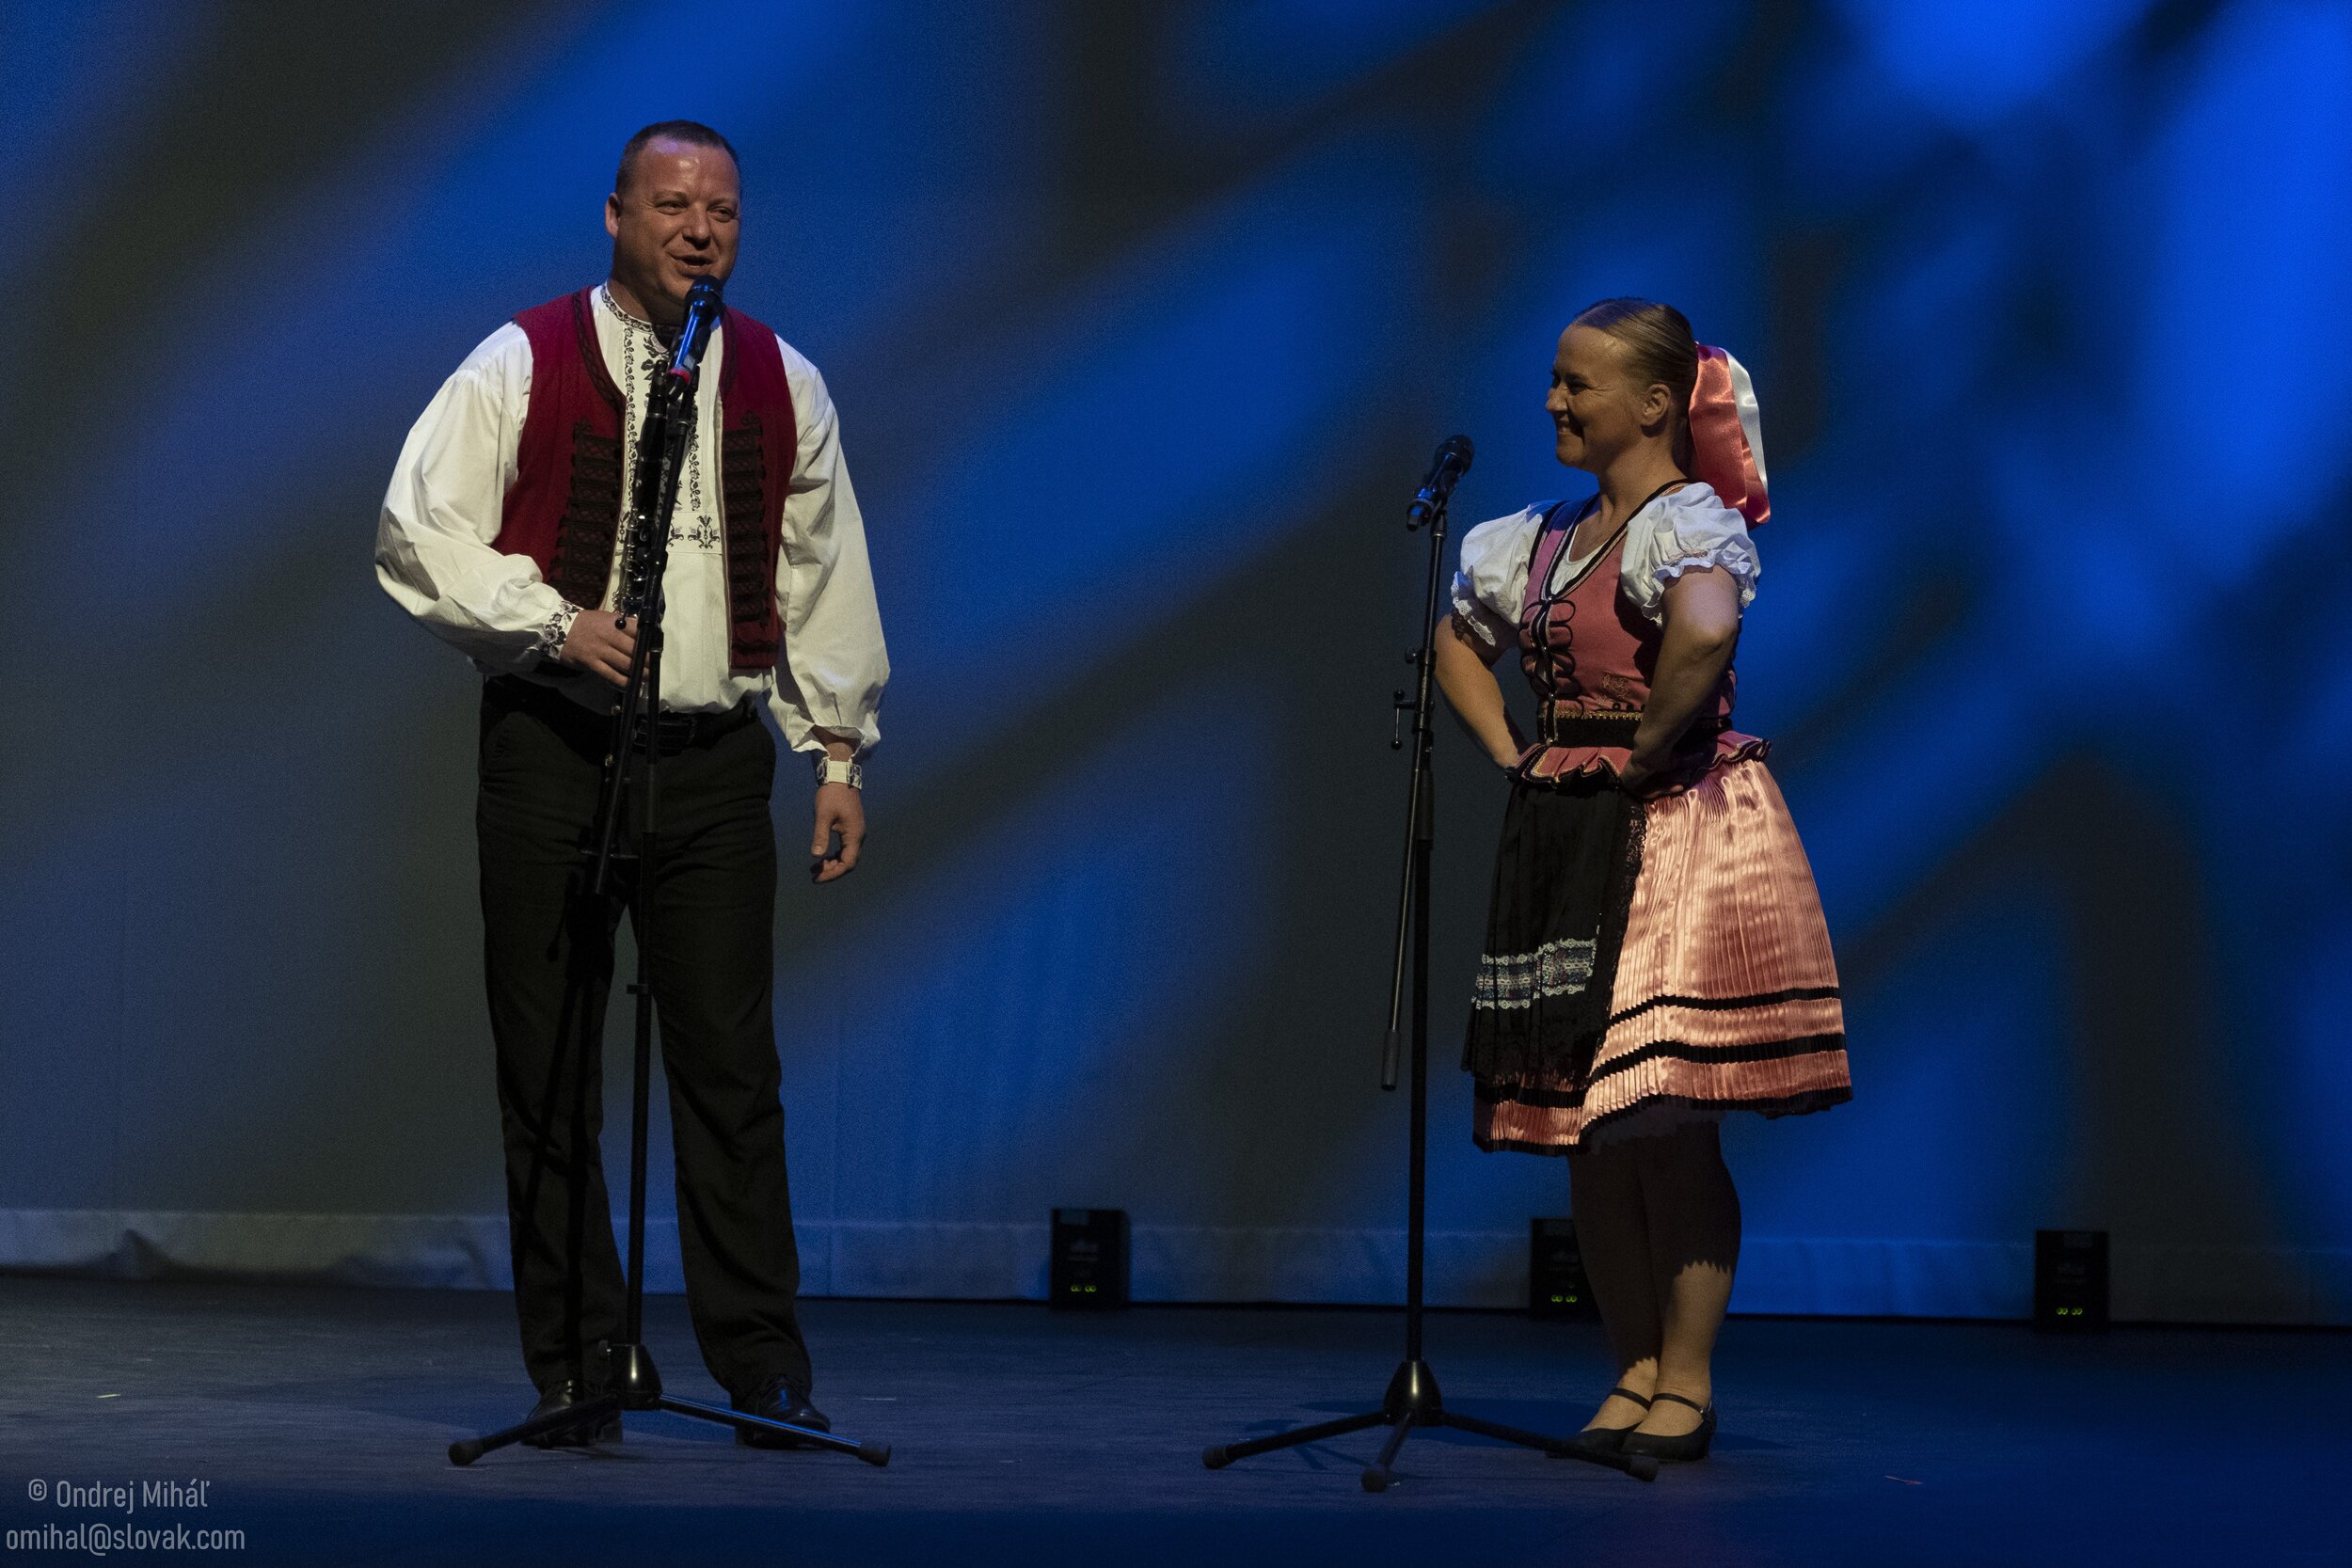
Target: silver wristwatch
(837, 770)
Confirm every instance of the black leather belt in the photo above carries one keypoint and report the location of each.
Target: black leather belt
(673, 732)
(677, 732)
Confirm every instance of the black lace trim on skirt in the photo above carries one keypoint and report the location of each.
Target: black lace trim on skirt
(1664, 1113)
(1557, 1098)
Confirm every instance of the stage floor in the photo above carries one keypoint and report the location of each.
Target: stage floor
(318, 1419)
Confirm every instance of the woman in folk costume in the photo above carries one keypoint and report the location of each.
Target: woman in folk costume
(1655, 950)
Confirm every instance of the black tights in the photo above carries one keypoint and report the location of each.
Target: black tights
(1657, 1221)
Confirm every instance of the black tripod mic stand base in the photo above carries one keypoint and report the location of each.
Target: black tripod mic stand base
(638, 1386)
(1413, 1401)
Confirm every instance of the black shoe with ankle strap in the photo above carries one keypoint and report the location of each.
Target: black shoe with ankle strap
(1608, 1439)
(1684, 1446)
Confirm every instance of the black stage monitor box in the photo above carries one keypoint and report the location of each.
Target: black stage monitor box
(2070, 1282)
(1089, 1268)
(1556, 1285)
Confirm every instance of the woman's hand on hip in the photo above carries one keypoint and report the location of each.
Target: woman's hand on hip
(1639, 777)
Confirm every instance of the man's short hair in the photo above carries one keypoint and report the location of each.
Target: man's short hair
(694, 133)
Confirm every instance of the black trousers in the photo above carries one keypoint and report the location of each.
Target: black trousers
(549, 961)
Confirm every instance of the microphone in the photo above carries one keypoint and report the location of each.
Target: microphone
(701, 314)
(1451, 463)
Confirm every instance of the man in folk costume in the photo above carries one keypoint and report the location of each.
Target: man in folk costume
(503, 531)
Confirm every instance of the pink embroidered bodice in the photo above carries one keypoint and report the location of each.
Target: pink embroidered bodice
(1585, 649)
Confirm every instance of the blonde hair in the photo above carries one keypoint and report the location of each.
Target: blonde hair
(1659, 348)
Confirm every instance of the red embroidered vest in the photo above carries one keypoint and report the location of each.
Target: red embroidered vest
(564, 509)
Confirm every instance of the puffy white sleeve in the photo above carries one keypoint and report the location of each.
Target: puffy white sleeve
(831, 669)
(1682, 533)
(1491, 584)
(437, 537)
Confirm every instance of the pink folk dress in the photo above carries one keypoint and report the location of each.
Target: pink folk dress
(1653, 962)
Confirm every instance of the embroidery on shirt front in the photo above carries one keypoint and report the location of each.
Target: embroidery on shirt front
(643, 360)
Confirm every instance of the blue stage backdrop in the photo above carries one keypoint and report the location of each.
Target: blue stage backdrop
(1142, 320)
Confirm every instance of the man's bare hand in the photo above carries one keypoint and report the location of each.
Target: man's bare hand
(603, 643)
(838, 809)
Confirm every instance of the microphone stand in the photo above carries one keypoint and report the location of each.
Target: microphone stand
(1412, 1398)
(633, 1382)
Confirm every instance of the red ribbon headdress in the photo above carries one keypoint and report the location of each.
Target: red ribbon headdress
(1727, 435)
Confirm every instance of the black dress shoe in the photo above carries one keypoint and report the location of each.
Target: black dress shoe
(1606, 1440)
(562, 1397)
(1687, 1445)
(778, 1399)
